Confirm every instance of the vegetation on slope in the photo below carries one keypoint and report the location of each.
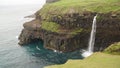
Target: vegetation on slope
(50, 26)
(54, 27)
(72, 6)
(76, 31)
(62, 7)
(97, 60)
(113, 49)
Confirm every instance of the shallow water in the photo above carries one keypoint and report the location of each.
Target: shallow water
(32, 56)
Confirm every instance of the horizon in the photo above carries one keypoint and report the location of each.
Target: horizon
(20, 2)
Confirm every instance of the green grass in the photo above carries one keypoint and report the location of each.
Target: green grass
(113, 49)
(80, 6)
(54, 27)
(97, 60)
(76, 31)
(50, 26)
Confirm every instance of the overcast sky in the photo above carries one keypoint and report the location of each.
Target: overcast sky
(20, 2)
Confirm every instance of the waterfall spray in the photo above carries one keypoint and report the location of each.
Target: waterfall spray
(91, 40)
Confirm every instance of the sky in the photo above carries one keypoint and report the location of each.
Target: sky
(20, 2)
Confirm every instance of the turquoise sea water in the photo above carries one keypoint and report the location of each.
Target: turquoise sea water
(31, 56)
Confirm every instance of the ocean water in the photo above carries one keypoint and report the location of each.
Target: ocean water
(31, 56)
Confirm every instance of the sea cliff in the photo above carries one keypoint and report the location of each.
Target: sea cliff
(66, 25)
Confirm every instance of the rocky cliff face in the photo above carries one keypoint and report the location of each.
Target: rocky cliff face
(108, 30)
(70, 39)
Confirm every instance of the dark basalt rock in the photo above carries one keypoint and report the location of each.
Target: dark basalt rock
(108, 31)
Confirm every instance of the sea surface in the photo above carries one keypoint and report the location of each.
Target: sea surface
(34, 55)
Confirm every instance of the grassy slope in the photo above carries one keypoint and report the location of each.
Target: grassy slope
(97, 60)
(51, 26)
(71, 6)
(113, 49)
(54, 27)
(66, 6)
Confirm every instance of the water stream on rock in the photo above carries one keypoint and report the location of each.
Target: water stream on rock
(91, 40)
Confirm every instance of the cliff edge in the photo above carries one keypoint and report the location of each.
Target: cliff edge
(65, 25)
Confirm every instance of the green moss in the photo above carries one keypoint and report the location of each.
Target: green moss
(79, 6)
(50, 26)
(54, 27)
(76, 31)
(113, 49)
(99, 18)
(97, 60)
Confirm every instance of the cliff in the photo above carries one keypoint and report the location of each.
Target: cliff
(65, 25)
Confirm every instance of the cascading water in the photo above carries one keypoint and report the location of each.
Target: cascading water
(92, 36)
(91, 40)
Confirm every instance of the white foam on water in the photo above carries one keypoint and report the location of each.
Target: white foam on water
(61, 52)
(86, 53)
(38, 48)
(55, 50)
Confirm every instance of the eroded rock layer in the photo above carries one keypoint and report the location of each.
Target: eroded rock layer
(67, 38)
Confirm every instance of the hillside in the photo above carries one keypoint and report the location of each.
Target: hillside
(80, 6)
(97, 60)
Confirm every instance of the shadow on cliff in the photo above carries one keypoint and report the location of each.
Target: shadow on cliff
(48, 57)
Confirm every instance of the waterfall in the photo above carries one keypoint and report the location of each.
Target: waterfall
(92, 36)
(91, 40)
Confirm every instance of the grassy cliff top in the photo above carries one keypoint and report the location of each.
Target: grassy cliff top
(72, 6)
(97, 60)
